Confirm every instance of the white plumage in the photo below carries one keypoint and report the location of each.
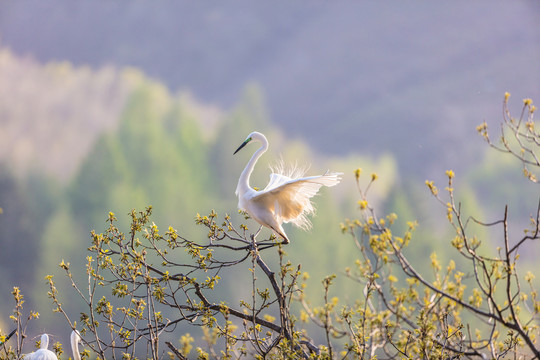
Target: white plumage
(43, 353)
(75, 338)
(286, 198)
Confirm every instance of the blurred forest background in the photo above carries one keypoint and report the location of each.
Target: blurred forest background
(106, 106)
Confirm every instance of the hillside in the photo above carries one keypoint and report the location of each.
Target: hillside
(50, 115)
(410, 79)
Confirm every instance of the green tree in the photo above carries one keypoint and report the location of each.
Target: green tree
(26, 207)
(489, 308)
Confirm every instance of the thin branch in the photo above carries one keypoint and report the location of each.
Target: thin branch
(175, 351)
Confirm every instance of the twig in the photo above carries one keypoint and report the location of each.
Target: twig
(175, 351)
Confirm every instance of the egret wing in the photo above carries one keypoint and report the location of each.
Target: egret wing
(289, 199)
(277, 180)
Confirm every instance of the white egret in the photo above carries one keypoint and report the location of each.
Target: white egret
(43, 353)
(75, 339)
(287, 196)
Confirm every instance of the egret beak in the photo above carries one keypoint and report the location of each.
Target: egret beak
(241, 146)
(7, 338)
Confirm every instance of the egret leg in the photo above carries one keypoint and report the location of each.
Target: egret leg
(264, 246)
(258, 231)
(268, 245)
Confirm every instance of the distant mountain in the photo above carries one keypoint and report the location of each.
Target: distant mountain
(412, 79)
(50, 115)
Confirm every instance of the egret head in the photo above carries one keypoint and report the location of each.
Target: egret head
(257, 136)
(44, 341)
(75, 336)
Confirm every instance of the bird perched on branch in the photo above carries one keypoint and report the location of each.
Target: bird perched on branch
(287, 196)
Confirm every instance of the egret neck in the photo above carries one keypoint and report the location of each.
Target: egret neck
(75, 338)
(243, 182)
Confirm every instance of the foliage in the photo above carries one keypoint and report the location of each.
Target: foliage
(144, 287)
(21, 224)
(419, 318)
(519, 137)
(486, 309)
(145, 279)
(17, 336)
(52, 113)
(124, 141)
